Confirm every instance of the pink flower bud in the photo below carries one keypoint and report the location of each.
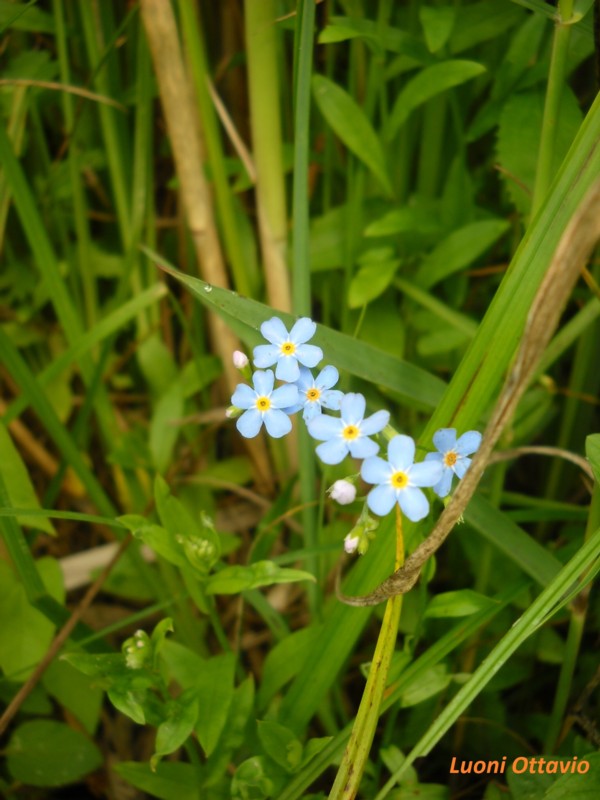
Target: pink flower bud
(351, 543)
(240, 360)
(343, 492)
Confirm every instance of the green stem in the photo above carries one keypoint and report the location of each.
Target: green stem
(348, 778)
(301, 289)
(554, 90)
(576, 628)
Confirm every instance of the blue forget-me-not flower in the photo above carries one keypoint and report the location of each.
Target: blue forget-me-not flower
(263, 404)
(314, 393)
(398, 480)
(348, 433)
(453, 455)
(287, 350)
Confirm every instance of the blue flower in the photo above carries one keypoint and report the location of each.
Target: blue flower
(398, 480)
(264, 404)
(287, 350)
(348, 433)
(314, 393)
(452, 455)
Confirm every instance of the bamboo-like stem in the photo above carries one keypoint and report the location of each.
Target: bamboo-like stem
(182, 124)
(261, 50)
(348, 778)
(554, 91)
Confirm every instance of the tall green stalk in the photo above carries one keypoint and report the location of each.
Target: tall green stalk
(301, 292)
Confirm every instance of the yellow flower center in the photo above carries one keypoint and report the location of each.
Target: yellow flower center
(263, 403)
(312, 395)
(288, 348)
(399, 480)
(351, 432)
(450, 458)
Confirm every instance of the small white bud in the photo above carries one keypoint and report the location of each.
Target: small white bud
(240, 360)
(232, 412)
(343, 492)
(351, 543)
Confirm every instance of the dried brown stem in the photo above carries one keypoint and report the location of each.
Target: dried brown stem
(574, 248)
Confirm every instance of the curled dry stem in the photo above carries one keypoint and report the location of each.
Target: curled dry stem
(574, 248)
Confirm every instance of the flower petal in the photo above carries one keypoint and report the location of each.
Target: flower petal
(375, 423)
(292, 409)
(468, 443)
(277, 423)
(375, 470)
(243, 397)
(435, 457)
(332, 399)
(442, 489)
(381, 500)
(445, 439)
(414, 504)
(285, 396)
(401, 452)
(332, 452)
(287, 369)
(462, 465)
(249, 423)
(327, 378)
(263, 381)
(311, 410)
(265, 355)
(306, 380)
(426, 473)
(274, 331)
(303, 330)
(353, 408)
(309, 354)
(324, 427)
(363, 447)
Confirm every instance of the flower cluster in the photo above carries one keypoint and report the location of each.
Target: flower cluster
(396, 481)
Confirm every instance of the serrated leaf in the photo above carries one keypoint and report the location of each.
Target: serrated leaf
(427, 84)
(232, 580)
(352, 126)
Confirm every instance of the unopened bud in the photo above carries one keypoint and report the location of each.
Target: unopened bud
(240, 360)
(351, 543)
(343, 492)
(233, 412)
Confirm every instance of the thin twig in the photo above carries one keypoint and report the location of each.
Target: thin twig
(555, 452)
(63, 87)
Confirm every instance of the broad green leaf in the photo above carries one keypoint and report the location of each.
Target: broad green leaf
(437, 23)
(592, 451)
(407, 219)
(234, 730)
(460, 603)
(25, 633)
(352, 126)
(518, 140)
(280, 743)
(432, 682)
(460, 249)
(358, 358)
(128, 701)
(47, 753)
(370, 281)
(232, 580)
(164, 431)
(251, 780)
(177, 727)
(382, 36)
(18, 484)
(579, 785)
(159, 539)
(428, 83)
(482, 21)
(171, 780)
(24, 17)
(284, 661)
(74, 691)
(215, 693)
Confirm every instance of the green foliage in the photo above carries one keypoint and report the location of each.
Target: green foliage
(416, 171)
